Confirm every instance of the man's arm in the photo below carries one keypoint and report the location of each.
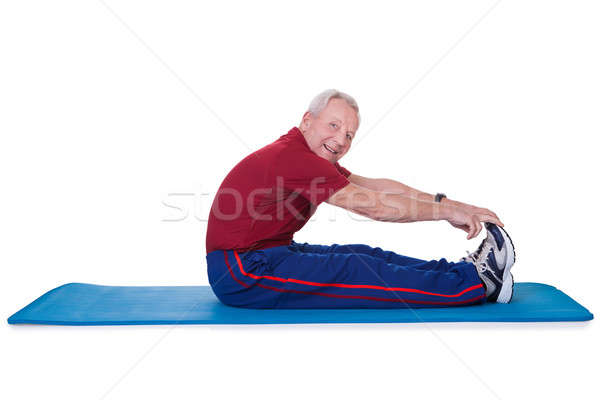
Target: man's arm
(392, 186)
(399, 207)
(389, 186)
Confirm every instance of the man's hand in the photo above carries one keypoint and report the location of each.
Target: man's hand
(469, 219)
(482, 211)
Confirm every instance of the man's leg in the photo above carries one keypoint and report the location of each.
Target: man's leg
(280, 277)
(386, 255)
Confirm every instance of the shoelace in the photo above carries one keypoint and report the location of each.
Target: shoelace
(479, 256)
(472, 257)
(482, 267)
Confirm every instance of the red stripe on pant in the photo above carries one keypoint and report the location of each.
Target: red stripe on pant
(241, 268)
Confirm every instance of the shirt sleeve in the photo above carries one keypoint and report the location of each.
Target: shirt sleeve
(343, 170)
(313, 177)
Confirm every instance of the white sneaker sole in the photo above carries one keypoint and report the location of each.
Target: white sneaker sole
(506, 291)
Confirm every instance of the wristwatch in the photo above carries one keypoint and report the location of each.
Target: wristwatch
(439, 197)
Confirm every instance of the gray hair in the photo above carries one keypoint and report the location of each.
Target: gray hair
(322, 99)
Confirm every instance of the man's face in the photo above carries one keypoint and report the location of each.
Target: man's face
(331, 133)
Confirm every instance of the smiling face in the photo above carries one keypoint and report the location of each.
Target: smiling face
(331, 133)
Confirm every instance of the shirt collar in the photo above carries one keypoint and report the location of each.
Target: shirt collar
(296, 131)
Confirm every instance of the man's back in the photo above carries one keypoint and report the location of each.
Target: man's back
(271, 194)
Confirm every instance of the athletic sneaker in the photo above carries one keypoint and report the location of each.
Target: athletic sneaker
(493, 259)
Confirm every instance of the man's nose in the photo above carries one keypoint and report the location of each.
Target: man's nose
(341, 138)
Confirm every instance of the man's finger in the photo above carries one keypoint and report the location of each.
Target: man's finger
(477, 225)
(471, 230)
(494, 214)
(463, 227)
(486, 211)
(489, 218)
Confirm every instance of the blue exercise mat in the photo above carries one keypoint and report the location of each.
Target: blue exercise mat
(84, 304)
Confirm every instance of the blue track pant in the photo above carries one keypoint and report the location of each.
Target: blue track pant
(339, 276)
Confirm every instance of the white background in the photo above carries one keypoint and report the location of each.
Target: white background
(108, 110)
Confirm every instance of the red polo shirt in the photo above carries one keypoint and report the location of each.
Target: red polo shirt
(270, 195)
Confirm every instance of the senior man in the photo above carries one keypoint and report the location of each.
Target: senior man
(254, 262)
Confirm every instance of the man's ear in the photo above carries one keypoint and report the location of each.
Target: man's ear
(306, 120)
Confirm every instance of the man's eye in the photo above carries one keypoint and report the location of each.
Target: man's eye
(349, 136)
(333, 125)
